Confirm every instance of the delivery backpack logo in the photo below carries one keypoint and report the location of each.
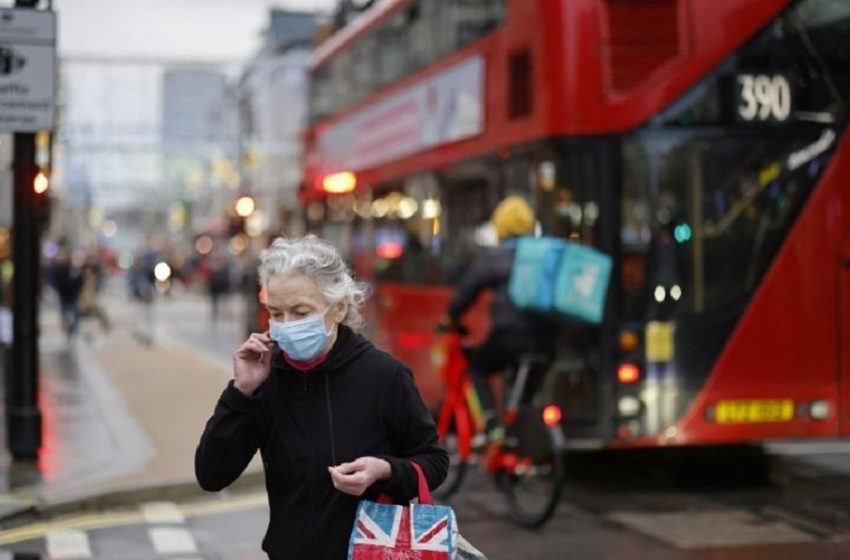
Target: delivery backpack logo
(560, 279)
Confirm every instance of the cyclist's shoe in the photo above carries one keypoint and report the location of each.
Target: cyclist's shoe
(495, 441)
(496, 434)
(479, 442)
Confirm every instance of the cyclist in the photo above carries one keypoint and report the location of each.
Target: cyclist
(512, 331)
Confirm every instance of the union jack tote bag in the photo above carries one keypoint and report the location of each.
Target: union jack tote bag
(419, 531)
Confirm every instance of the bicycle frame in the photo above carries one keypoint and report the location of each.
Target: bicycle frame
(501, 460)
(456, 405)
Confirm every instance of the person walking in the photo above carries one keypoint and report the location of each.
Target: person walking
(334, 418)
(218, 286)
(67, 281)
(91, 282)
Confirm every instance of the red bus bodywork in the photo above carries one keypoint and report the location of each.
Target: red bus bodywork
(791, 342)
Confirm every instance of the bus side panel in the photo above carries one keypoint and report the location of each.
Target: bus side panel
(408, 316)
(786, 343)
(844, 336)
(709, 31)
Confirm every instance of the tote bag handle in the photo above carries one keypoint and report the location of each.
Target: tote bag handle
(424, 492)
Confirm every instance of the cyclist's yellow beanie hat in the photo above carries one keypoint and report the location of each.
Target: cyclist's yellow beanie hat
(513, 217)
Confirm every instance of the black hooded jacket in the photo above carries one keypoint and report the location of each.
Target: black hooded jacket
(491, 270)
(375, 410)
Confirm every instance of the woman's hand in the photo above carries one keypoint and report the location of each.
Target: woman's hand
(252, 362)
(355, 477)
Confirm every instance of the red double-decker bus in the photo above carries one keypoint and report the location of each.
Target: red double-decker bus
(700, 143)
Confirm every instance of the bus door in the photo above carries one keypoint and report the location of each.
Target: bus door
(844, 339)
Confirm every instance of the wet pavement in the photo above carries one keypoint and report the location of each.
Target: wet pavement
(614, 507)
(122, 410)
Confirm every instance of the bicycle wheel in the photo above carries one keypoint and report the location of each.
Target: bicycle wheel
(533, 470)
(457, 469)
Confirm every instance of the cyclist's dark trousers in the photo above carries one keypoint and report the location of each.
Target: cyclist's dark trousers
(499, 350)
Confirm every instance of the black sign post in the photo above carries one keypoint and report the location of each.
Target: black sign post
(23, 414)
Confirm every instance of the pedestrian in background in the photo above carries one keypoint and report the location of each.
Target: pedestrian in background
(334, 418)
(92, 281)
(65, 278)
(218, 286)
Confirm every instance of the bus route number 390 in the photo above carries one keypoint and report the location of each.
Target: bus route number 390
(762, 97)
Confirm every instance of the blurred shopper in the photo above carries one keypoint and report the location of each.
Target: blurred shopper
(218, 286)
(334, 418)
(142, 280)
(92, 282)
(142, 284)
(66, 279)
(512, 331)
(255, 315)
(5, 284)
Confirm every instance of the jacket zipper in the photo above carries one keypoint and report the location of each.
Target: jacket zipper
(310, 530)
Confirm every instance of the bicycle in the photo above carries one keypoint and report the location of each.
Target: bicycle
(528, 466)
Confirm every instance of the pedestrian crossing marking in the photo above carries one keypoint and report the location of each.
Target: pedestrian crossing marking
(250, 501)
(162, 512)
(62, 545)
(172, 540)
(118, 518)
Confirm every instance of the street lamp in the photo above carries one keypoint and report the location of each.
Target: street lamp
(245, 206)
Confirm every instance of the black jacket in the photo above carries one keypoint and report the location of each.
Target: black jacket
(375, 409)
(492, 270)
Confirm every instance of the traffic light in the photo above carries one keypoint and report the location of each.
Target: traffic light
(41, 198)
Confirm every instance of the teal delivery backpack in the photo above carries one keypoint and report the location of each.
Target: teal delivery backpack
(555, 277)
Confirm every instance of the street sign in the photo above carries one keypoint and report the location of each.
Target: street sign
(27, 70)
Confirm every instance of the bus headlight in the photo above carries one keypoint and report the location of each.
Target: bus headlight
(819, 410)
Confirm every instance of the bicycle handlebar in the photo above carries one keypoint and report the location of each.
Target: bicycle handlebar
(460, 329)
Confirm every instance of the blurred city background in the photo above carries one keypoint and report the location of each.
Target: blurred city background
(698, 143)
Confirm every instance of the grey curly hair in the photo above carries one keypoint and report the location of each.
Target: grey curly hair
(319, 260)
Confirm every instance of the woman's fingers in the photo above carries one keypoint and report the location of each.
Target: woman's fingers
(355, 477)
(353, 483)
(256, 344)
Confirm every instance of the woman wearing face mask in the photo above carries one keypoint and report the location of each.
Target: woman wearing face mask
(334, 418)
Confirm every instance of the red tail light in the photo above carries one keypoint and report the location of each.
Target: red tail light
(628, 373)
(552, 415)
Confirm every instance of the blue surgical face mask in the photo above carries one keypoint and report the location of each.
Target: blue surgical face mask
(304, 339)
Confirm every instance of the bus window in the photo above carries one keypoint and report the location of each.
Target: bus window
(565, 183)
(409, 40)
(712, 186)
